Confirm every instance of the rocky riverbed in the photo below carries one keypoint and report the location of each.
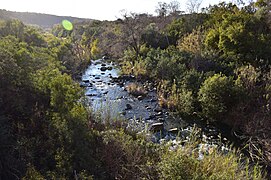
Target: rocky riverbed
(106, 91)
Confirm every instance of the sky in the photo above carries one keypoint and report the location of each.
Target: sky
(93, 9)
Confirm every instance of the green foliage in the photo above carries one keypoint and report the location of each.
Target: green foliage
(127, 67)
(24, 33)
(186, 103)
(33, 37)
(218, 11)
(122, 152)
(64, 92)
(8, 162)
(192, 81)
(193, 42)
(177, 166)
(153, 38)
(12, 27)
(94, 48)
(139, 69)
(183, 164)
(240, 35)
(176, 29)
(166, 64)
(168, 68)
(40, 108)
(134, 65)
(217, 96)
(32, 174)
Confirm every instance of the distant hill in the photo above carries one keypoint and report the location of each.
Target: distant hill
(42, 20)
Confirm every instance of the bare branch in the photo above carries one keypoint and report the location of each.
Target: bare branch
(192, 6)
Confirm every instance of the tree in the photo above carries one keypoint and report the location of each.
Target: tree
(152, 37)
(241, 36)
(133, 27)
(174, 7)
(162, 9)
(192, 6)
(176, 29)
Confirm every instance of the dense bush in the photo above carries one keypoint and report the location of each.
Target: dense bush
(40, 109)
(183, 164)
(217, 96)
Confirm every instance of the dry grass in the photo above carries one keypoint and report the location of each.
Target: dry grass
(136, 89)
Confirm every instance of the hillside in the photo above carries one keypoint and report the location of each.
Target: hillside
(42, 20)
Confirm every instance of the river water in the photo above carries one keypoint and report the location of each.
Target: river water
(106, 93)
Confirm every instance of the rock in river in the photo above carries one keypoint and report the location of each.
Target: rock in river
(85, 80)
(128, 107)
(173, 130)
(91, 94)
(158, 109)
(156, 127)
(152, 116)
(159, 113)
(103, 68)
(140, 98)
(122, 113)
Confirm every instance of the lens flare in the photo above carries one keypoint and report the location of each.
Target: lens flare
(67, 25)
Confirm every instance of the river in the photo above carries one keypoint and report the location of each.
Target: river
(106, 93)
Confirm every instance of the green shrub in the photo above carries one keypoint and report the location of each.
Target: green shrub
(127, 67)
(128, 157)
(168, 68)
(217, 96)
(186, 103)
(139, 68)
(192, 80)
(180, 100)
(185, 164)
(193, 42)
(32, 174)
(177, 165)
(135, 65)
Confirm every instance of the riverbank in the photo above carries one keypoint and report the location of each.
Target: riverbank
(129, 118)
(110, 95)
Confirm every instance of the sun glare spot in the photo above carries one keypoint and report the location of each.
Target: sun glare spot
(67, 25)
